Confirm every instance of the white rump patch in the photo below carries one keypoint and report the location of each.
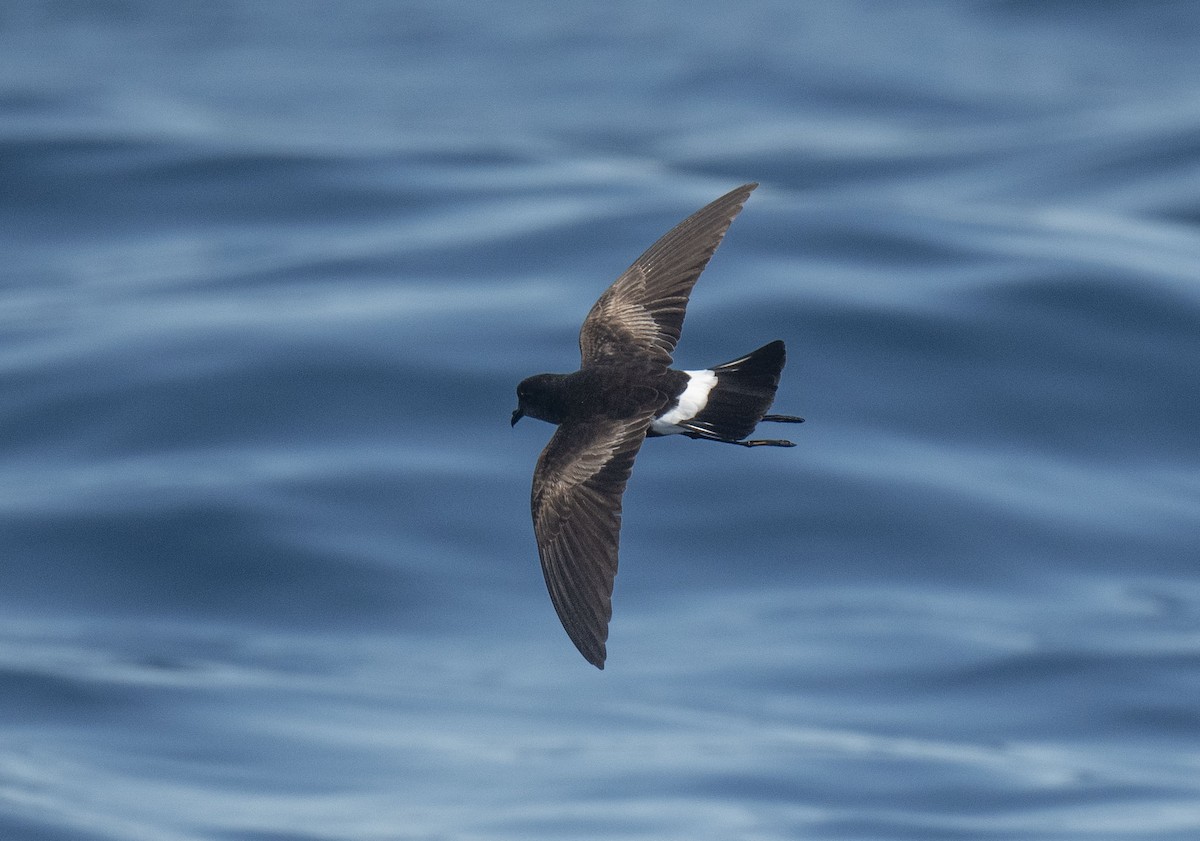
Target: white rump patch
(690, 403)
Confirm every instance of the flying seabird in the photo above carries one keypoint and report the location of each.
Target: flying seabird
(625, 391)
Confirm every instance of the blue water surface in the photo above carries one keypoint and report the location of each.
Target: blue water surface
(270, 271)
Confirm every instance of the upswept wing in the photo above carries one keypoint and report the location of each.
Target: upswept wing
(576, 503)
(642, 312)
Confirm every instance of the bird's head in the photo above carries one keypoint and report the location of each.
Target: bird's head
(541, 396)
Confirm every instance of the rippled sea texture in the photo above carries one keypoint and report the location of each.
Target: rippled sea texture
(269, 273)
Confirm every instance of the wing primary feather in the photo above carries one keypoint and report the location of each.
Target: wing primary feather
(642, 312)
(576, 503)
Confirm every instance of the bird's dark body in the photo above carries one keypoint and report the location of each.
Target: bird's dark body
(624, 392)
(609, 391)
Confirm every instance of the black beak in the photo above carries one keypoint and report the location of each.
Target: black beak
(517, 415)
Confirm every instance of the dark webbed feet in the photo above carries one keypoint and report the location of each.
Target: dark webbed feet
(772, 442)
(758, 442)
(708, 435)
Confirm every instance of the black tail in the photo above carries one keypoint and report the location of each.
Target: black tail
(744, 392)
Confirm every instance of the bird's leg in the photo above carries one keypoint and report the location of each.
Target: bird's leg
(751, 443)
(783, 418)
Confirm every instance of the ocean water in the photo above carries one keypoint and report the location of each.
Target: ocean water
(270, 272)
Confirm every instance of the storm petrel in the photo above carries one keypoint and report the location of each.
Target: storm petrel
(625, 391)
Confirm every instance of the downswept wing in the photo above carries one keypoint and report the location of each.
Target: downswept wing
(642, 312)
(576, 503)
